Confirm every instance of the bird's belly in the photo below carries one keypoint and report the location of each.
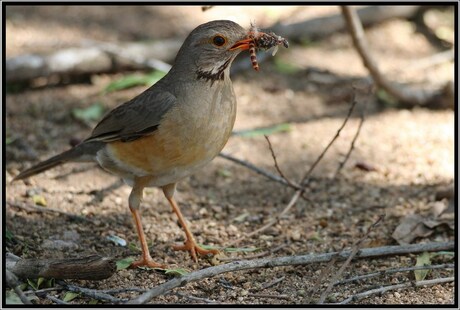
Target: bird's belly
(178, 148)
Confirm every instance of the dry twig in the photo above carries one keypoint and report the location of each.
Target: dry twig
(272, 283)
(268, 296)
(385, 289)
(352, 145)
(280, 172)
(354, 251)
(194, 298)
(57, 300)
(254, 168)
(285, 261)
(12, 281)
(96, 294)
(403, 94)
(393, 270)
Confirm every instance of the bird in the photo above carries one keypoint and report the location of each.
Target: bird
(170, 130)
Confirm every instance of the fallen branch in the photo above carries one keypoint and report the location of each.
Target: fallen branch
(385, 289)
(286, 261)
(92, 267)
(95, 294)
(354, 251)
(57, 300)
(408, 96)
(393, 270)
(12, 281)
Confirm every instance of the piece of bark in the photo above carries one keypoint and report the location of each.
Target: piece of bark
(92, 267)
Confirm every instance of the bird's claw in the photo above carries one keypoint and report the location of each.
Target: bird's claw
(194, 248)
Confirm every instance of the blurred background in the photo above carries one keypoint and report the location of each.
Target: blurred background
(68, 65)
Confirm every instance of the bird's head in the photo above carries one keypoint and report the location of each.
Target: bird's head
(210, 49)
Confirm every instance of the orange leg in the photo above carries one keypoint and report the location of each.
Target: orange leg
(190, 243)
(147, 261)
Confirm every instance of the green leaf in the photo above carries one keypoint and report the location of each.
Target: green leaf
(39, 200)
(386, 98)
(32, 284)
(93, 302)
(285, 127)
(91, 113)
(12, 298)
(423, 259)
(135, 80)
(50, 283)
(285, 68)
(40, 281)
(224, 173)
(133, 247)
(9, 235)
(9, 140)
(69, 296)
(124, 263)
(176, 272)
(240, 218)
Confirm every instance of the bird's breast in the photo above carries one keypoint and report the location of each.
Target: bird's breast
(190, 135)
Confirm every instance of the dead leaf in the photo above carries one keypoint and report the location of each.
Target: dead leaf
(410, 228)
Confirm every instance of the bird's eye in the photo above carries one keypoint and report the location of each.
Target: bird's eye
(219, 40)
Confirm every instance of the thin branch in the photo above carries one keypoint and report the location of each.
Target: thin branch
(300, 191)
(385, 289)
(254, 168)
(268, 296)
(273, 283)
(410, 96)
(12, 281)
(352, 145)
(258, 255)
(96, 294)
(57, 300)
(194, 298)
(393, 270)
(354, 251)
(337, 134)
(280, 172)
(286, 261)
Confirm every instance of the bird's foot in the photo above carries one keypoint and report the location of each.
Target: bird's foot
(191, 246)
(146, 262)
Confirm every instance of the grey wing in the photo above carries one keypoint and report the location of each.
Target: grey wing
(134, 119)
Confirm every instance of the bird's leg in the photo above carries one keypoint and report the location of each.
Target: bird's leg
(190, 243)
(135, 199)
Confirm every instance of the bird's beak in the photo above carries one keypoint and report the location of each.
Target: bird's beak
(242, 44)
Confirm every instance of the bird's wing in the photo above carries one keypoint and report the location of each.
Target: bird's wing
(134, 119)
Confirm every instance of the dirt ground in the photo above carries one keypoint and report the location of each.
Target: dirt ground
(412, 152)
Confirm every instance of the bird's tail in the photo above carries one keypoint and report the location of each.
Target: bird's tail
(85, 151)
